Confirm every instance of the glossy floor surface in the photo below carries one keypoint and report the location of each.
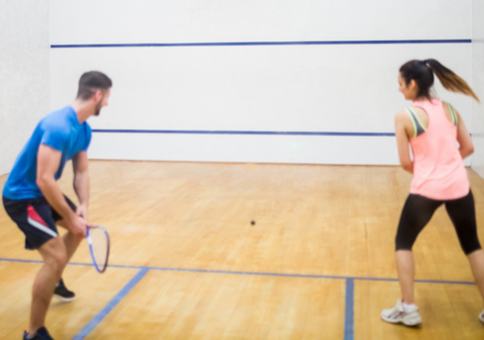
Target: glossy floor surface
(187, 263)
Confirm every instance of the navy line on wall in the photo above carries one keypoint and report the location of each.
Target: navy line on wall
(272, 43)
(282, 133)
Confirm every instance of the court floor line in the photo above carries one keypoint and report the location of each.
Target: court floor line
(348, 323)
(228, 272)
(105, 311)
(349, 290)
(349, 309)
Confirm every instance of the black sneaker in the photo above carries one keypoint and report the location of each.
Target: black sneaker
(41, 334)
(62, 293)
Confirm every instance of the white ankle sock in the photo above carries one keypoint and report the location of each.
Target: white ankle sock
(409, 307)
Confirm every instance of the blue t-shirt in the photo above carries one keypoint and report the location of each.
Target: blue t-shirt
(61, 131)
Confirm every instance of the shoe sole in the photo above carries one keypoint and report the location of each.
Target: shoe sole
(413, 324)
(64, 299)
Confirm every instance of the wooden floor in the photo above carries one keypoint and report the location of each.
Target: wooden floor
(188, 264)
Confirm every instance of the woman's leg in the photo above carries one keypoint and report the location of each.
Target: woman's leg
(417, 212)
(463, 215)
(476, 259)
(406, 273)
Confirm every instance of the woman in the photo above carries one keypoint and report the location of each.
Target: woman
(432, 128)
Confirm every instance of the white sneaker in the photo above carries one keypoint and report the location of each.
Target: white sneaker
(481, 316)
(407, 316)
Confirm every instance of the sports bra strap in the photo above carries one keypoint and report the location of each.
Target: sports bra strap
(453, 113)
(418, 127)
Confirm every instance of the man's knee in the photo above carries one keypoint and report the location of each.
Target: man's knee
(55, 255)
(78, 238)
(60, 261)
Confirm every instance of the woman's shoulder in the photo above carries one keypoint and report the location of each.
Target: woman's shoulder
(402, 117)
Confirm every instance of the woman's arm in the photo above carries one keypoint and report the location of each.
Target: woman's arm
(402, 122)
(466, 147)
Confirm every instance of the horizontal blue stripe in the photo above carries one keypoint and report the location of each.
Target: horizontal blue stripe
(109, 307)
(274, 43)
(284, 133)
(228, 272)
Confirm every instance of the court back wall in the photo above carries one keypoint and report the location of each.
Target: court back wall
(24, 73)
(233, 81)
(478, 86)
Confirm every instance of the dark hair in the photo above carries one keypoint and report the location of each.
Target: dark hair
(422, 71)
(91, 82)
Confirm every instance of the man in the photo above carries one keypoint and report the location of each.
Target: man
(35, 202)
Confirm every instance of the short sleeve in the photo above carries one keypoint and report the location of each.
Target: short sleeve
(55, 138)
(88, 138)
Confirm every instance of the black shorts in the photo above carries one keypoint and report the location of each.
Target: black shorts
(418, 211)
(36, 218)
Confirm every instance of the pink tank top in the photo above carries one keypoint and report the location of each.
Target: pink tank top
(438, 169)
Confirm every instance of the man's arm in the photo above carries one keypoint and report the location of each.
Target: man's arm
(81, 182)
(48, 160)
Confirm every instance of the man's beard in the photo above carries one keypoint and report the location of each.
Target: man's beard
(98, 108)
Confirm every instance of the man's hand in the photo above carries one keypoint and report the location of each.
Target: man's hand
(82, 212)
(78, 226)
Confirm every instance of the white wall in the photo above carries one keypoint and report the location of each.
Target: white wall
(478, 86)
(24, 73)
(304, 88)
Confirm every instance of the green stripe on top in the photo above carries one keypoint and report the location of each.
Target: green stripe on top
(453, 113)
(417, 124)
(413, 122)
(418, 120)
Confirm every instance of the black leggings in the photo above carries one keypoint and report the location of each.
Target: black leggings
(418, 211)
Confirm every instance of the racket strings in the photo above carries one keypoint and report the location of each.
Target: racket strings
(100, 247)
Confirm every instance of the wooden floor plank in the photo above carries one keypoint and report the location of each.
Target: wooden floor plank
(309, 220)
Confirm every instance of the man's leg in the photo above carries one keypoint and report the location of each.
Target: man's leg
(54, 254)
(71, 241)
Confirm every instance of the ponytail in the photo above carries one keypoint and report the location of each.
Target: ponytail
(449, 79)
(422, 72)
